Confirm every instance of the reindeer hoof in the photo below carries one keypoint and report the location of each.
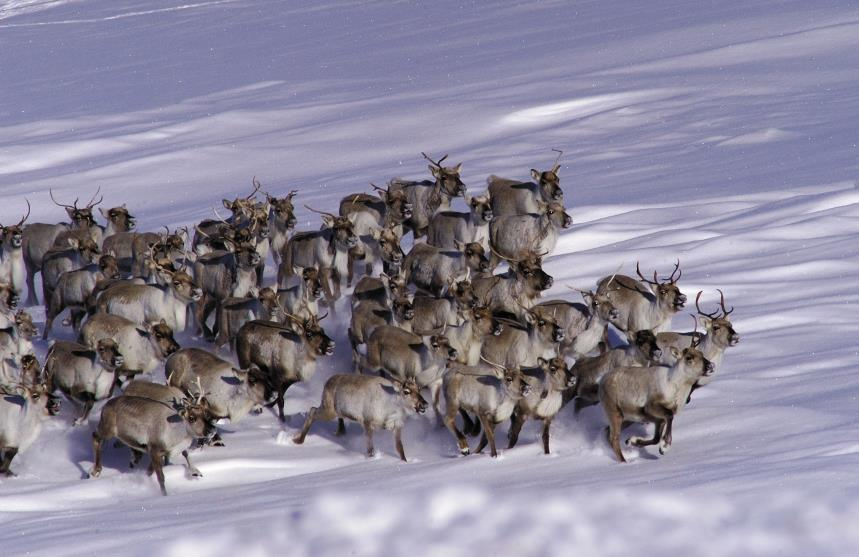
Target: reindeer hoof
(465, 451)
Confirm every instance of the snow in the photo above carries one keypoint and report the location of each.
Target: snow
(719, 133)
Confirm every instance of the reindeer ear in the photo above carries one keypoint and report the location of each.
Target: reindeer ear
(73, 242)
(227, 204)
(105, 214)
(435, 171)
(535, 174)
(328, 221)
(71, 212)
(459, 245)
(376, 233)
(458, 168)
(530, 317)
(555, 169)
(675, 353)
(398, 230)
(542, 361)
(162, 322)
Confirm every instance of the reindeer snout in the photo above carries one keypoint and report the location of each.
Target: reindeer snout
(488, 215)
(452, 354)
(709, 368)
(409, 314)
(558, 194)
(196, 294)
(568, 221)
(526, 389)
(117, 361)
(484, 265)
(680, 301)
(131, 222)
(548, 282)
(656, 353)
(497, 329)
(614, 313)
(558, 335)
(291, 222)
(572, 381)
(17, 240)
(735, 339)
(407, 211)
(421, 406)
(13, 301)
(329, 348)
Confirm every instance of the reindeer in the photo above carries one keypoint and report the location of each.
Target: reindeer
(16, 341)
(326, 249)
(301, 300)
(427, 197)
(84, 375)
(434, 313)
(491, 394)
(584, 324)
(13, 270)
(650, 395)
(387, 209)
(448, 227)
(517, 289)
(374, 402)
(148, 246)
(401, 354)
(285, 356)
(8, 302)
(154, 427)
(643, 351)
(230, 392)
(382, 289)
(513, 197)
(648, 304)
(78, 253)
(281, 221)
(39, 238)
(370, 314)
(718, 336)
(209, 234)
(74, 288)
(23, 408)
(431, 268)
(143, 348)
(222, 275)
(538, 232)
(381, 244)
(520, 343)
(259, 304)
(149, 303)
(551, 378)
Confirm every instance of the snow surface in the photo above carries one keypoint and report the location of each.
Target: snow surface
(720, 133)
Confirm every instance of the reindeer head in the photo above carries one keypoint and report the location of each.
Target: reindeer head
(198, 416)
(25, 326)
(389, 239)
(161, 336)
(543, 320)
(463, 292)
(396, 284)
(693, 360)
(119, 218)
(108, 266)
(481, 207)
(549, 182)
(558, 372)
(81, 217)
(718, 325)
(557, 214)
(440, 344)
(313, 335)
(8, 297)
(484, 321)
(447, 179)
(645, 341)
(312, 282)
(14, 234)
(667, 291)
(404, 308)
(85, 246)
(283, 211)
(245, 253)
(108, 353)
(411, 393)
(342, 227)
(528, 269)
(475, 255)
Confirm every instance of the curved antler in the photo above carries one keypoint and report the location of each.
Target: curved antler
(57, 203)
(710, 315)
(725, 312)
(436, 163)
(332, 215)
(92, 203)
(27, 215)
(638, 272)
(558, 157)
(256, 185)
(671, 279)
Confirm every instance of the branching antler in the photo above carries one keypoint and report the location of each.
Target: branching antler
(436, 163)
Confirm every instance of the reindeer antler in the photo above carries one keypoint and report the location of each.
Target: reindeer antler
(725, 312)
(438, 163)
(332, 215)
(638, 272)
(710, 315)
(51, 193)
(92, 203)
(256, 185)
(559, 155)
(27, 215)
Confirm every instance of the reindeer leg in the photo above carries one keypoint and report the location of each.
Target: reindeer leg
(398, 439)
(666, 438)
(97, 444)
(547, 423)
(615, 423)
(311, 416)
(341, 427)
(193, 470)
(368, 433)
(516, 423)
(450, 422)
(6, 461)
(156, 458)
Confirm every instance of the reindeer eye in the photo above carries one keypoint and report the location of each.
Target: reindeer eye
(192, 419)
(527, 273)
(159, 335)
(407, 391)
(716, 327)
(541, 323)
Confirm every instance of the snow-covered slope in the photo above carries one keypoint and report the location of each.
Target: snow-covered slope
(720, 133)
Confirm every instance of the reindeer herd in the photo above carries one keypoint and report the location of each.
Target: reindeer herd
(437, 322)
